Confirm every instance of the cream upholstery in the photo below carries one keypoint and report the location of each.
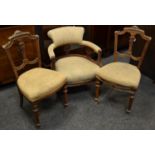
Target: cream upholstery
(76, 69)
(66, 35)
(51, 51)
(38, 83)
(120, 73)
(91, 45)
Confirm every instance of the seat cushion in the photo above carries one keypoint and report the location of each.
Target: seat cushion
(38, 83)
(77, 69)
(120, 73)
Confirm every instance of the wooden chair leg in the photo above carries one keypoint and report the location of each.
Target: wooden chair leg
(131, 99)
(35, 110)
(98, 85)
(65, 90)
(21, 99)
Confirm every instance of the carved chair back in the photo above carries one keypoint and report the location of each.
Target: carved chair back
(133, 32)
(23, 51)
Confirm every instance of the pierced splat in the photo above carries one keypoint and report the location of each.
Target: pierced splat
(21, 50)
(133, 31)
(19, 40)
(131, 42)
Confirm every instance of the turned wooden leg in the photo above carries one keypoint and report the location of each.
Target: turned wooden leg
(98, 85)
(131, 99)
(21, 98)
(35, 110)
(65, 96)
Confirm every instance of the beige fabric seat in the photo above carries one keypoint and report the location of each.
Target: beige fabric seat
(120, 73)
(123, 76)
(38, 83)
(77, 69)
(77, 64)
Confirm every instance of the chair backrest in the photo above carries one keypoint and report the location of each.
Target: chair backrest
(23, 51)
(66, 35)
(133, 31)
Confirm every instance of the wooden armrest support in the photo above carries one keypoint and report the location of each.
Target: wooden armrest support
(99, 58)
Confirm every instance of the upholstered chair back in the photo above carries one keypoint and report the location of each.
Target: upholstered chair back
(66, 35)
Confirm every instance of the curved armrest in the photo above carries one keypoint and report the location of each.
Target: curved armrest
(51, 51)
(95, 48)
(91, 45)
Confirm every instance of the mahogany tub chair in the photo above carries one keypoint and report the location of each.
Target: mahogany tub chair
(80, 69)
(121, 75)
(33, 83)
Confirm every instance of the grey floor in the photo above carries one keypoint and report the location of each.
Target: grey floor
(82, 113)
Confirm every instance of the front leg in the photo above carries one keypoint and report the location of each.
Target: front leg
(65, 91)
(98, 85)
(35, 109)
(131, 99)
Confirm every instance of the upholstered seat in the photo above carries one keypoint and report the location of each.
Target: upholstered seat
(77, 69)
(33, 82)
(120, 73)
(123, 76)
(37, 83)
(78, 64)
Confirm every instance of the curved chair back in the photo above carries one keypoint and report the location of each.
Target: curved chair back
(19, 48)
(66, 35)
(133, 31)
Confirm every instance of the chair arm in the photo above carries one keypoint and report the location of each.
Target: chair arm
(96, 49)
(51, 51)
(52, 55)
(91, 45)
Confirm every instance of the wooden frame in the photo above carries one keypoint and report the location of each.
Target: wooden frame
(133, 31)
(6, 31)
(19, 40)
